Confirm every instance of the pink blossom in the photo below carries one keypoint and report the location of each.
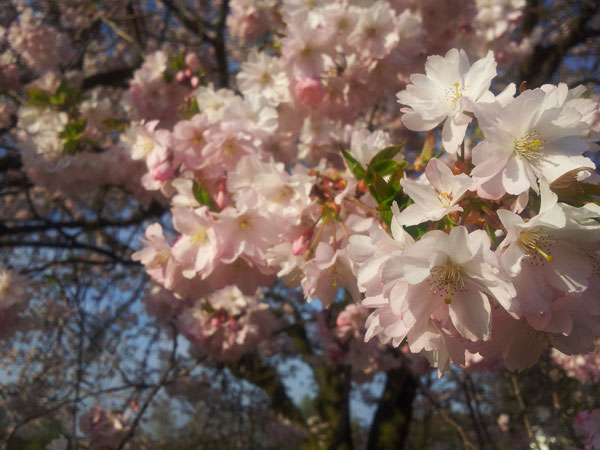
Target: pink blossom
(309, 91)
(438, 96)
(157, 257)
(326, 273)
(535, 137)
(302, 242)
(198, 249)
(436, 200)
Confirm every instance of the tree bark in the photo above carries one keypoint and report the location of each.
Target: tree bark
(394, 411)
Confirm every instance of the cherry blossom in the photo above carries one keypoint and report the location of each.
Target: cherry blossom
(436, 200)
(533, 137)
(437, 96)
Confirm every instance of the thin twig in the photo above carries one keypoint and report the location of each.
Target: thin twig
(121, 33)
(442, 412)
(521, 403)
(163, 379)
(361, 205)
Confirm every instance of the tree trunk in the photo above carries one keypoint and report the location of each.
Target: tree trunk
(394, 411)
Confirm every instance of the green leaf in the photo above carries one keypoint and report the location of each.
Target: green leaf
(417, 231)
(190, 109)
(59, 98)
(386, 154)
(203, 197)
(178, 63)
(38, 97)
(380, 189)
(114, 124)
(65, 96)
(168, 76)
(384, 168)
(396, 176)
(72, 134)
(428, 148)
(387, 216)
(355, 167)
(74, 129)
(388, 167)
(206, 306)
(492, 235)
(51, 278)
(70, 146)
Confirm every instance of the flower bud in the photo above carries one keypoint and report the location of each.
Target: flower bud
(192, 61)
(162, 171)
(302, 242)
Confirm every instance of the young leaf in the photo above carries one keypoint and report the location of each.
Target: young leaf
(380, 189)
(203, 197)
(386, 154)
(355, 167)
(38, 97)
(428, 147)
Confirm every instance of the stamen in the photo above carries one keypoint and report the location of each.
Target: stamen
(159, 258)
(534, 242)
(265, 78)
(529, 146)
(243, 222)
(284, 194)
(199, 237)
(445, 199)
(447, 278)
(453, 95)
(145, 144)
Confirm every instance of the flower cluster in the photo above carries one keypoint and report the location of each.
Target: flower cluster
(41, 46)
(259, 189)
(512, 275)
(345, 344)
(152, 95)
(223, 324)
(104, 427)
(227, 323)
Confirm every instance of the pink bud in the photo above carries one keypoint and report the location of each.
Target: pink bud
(221, 197)
(195, 81)
(188, 73)
(192, 61)
(342, 321)
(214, 322)
(180, 76)
(309, 91)
(162, 171)
(302, 242)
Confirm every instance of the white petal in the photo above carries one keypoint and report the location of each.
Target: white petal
(470, 314)
(514, 177)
